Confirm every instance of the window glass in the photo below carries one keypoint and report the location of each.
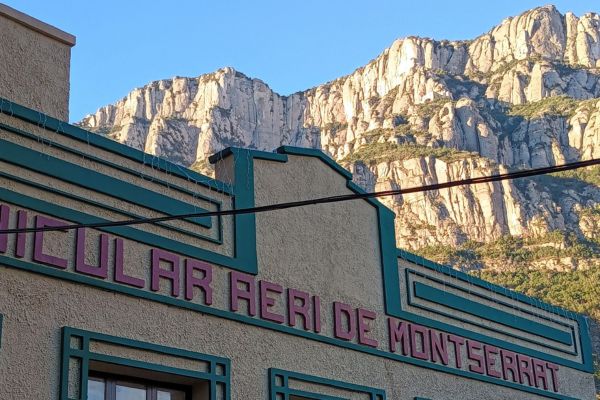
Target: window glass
(163, 394)
(96, 389)
(127, 391)
(100, 388)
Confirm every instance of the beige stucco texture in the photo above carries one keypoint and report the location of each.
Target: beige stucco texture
(330, 251)
(35, 63)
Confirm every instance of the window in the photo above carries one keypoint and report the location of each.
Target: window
(107, 387)
(97, 366)
(284, 385)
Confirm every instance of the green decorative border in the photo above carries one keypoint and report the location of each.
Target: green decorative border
(584, 336)
(480, 310)
(457, 304)
(244, 258)
(283, 391)
(26, 158)
(85, 356)
(128, 214)
(74, 132)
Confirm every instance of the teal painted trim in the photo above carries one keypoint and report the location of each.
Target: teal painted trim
(284, 376)
(86, 356)
(118, 167)
(92, 180)
(136, 173)
(473, 280)
(508, 345)
(105, 207)
(391, 282)
(245, 224)
(124, 231)
(74, 132)
(301, 151)
(151, 296)
(584, 334)
(307, 395)
(256, 154)
(484, 325)
(357, 189)
(459, 303)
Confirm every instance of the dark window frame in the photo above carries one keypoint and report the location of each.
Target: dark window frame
(152, 386)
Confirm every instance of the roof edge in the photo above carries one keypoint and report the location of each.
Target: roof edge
(37, 25)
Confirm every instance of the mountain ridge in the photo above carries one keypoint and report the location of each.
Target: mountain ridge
(387, 121)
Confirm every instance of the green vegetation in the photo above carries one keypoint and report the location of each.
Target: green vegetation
(103, 130)
(375, 133)
(428, 109)
(381, 152)
(589, 175)
(561, 106)
(498, 72)
(513, 251)
(574, 290)
(399, 130)
(202, 166)
(334, 127)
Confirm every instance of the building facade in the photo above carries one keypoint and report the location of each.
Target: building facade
(312, 302)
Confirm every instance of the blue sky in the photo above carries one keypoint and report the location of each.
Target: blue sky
(290, 45)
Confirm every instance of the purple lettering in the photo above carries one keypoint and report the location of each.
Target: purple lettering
(539, 372)
(363, 318)
(295, 309)
(554, 373)
(266, 302)
(398, 331)
(21, 237)
(191, 281)
(525, 370)
(472, 347)
(439, 347)
(508, 360)
(424, 353)
(457, 343)
(171, 274)
(490, 353)
(4, 214)
(100, 271)
(317, 313)
(248, 293)
(120, 275)
(38, 243)
(348, 332)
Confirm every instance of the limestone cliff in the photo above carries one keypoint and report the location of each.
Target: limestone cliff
(525, 94)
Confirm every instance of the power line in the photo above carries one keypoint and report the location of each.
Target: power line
(321, 200)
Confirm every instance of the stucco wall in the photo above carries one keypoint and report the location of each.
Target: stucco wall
(35, 63)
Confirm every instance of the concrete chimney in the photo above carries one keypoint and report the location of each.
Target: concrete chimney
(36, 60)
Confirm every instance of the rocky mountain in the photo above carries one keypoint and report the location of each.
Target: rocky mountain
(524, 95)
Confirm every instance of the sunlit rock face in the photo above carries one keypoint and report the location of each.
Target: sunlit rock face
(422, 112)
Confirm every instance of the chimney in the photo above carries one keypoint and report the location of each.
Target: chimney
(36, 61)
